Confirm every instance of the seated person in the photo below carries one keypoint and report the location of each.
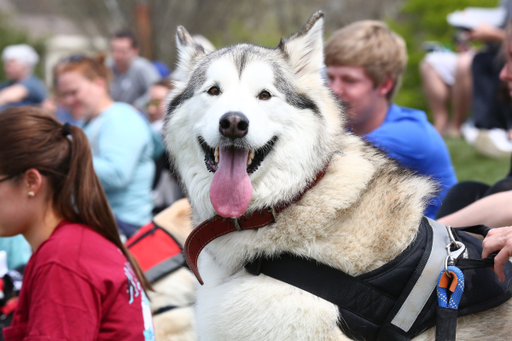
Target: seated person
(22, 87)
(132, 74)
(490, 108)
(166, 189)
(446, 77)
(121, 139)
(155, 108)
(365, 61)
(491, 112)
(471, 203)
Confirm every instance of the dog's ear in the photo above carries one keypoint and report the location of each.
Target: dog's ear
(305, 49)
(189, 51)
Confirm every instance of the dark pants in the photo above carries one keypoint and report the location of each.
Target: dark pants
(491, 102)
(125, 228)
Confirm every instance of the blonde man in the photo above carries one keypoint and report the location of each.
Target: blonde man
(365, 62)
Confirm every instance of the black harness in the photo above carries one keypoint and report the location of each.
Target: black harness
(398, 300)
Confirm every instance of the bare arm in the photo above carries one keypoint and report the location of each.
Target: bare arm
(12, 94)
(487, 33)
(493, 211)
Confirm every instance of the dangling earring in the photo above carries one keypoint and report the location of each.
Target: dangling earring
(31, 194)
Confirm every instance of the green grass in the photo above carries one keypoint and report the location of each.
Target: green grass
(470, 165)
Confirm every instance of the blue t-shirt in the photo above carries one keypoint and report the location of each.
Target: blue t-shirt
(408, 137)
(36, 91)
(18, 250)
(123, 149)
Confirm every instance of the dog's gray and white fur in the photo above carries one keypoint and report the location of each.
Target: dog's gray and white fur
(361, 214)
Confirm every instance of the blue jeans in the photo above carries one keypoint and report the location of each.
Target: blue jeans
(126, 228)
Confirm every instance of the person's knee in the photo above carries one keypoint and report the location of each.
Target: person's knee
(501, 186)
(425, 68)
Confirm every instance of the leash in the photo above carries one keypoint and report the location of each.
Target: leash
(450, 287)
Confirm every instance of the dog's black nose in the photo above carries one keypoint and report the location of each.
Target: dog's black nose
(234, 125)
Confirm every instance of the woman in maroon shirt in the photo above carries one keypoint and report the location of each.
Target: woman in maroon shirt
(81, 283)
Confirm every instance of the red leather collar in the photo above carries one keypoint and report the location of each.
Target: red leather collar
(218, 226)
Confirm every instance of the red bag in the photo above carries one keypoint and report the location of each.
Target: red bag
(156, 250)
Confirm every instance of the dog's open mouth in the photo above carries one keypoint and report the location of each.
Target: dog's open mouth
(231, 188)
(254, 157)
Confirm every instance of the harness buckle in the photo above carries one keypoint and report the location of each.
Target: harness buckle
(452, 256)
(453, 241)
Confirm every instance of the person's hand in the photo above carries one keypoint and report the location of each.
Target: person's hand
(49, 105)
(498, 239)
(486, 33)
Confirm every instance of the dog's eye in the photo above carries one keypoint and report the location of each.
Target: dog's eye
(264, 95)
(213, 91)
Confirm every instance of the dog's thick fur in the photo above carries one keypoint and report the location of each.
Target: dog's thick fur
(360, 215)
(177, 289)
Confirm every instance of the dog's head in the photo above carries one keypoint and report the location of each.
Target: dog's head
(250, 126)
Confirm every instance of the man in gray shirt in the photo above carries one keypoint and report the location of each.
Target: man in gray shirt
(133, 75)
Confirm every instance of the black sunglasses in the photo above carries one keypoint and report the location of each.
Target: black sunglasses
(77, 58)
(73, 58)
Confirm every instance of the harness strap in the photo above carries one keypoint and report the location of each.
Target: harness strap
(466, 263)
(150, 255)
(166, 267)
(424, 280)
(335, 286)
(476, 229)
(164, 309)
(446, 324)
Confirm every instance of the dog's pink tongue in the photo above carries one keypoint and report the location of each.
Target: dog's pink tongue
(231, 189)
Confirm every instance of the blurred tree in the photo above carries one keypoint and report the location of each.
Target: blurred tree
(225, 22)
(419, 21)
(263, 22)
(9, 35)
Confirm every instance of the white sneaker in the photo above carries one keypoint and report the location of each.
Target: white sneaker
(493, 143)
(470, 132)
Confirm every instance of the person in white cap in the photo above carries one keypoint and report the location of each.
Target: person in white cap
(22, 87)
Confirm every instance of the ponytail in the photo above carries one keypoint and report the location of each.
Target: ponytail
(90, 205)
(62, 153)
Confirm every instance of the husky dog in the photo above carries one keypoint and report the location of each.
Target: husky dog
(251, 128)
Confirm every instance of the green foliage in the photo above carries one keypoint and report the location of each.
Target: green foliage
(10, 35)
(425, 20)
(266, 34)
(420, 21)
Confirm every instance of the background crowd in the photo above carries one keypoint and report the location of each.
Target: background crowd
(118, 104)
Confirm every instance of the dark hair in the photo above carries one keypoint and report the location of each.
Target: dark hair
(129, 35)
(165, 82)
(31, 138)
